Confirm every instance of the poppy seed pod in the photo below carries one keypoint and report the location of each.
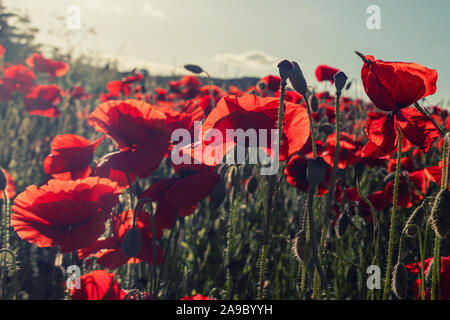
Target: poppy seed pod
(440, 214)
(193, 68)
(285, 67)
(297, 79)
(252, 185)
(299, 247)
(314, 103)
(340, 79)
(3, 180)
(400, 281)
(132, 242)
(315, 173)
(358, 169)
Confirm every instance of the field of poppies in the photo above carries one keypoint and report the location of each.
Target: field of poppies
(94, 207)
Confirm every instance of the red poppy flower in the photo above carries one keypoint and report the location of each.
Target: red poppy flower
(42, 99)
(140, 132)
(326, 73)
(79, 93)
(381, 131)
(180, 196)
(70, 157)
(378, 200)
(109, 250)
(69, 214)
(395, 85)
(98, 285)
(19, 78)
(415, 268)
(406, 164)
(348, 150)
(2, 51)
(10, 185)
(407, 194)
(197, 296)
(41, 64)
(295, 172)
(272, 82)
(252, 112)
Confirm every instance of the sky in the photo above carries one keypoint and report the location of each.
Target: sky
(232, 38)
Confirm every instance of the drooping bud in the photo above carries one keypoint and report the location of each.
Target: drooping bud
(400, 281)
(314, 103)
(358, 170)
(316, 171)
(340, 79)
(301, 253)
(252, 185)
(3, 180)
(342, 224)
(440, 214)
(416, 218)
(285, 67)
(193, 68)
(132, 242)
(297, 79)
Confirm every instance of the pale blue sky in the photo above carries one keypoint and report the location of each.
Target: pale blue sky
(252, 35)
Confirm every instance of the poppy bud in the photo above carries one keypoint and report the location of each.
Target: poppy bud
(326, 128)
(440, 214)
(299, 247)
(340, 79)
(315, 173)
(343, 222)
(297, 79)
(252, 185)
(132, 243)
(400, 281)
(416, 218)
(285, 67)
(3, 180)
(314, 103)
(217, 196)
(358, 169)
(347, 87)
(193, 68)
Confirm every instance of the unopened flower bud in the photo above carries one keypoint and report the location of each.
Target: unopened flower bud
(132, 242)
(400, 281)
(193, 68)
(358, 169)
(316, 171)
(416, 218)
(3, 180)
(440, 214)
(342, 224)
(261, 85)
(297, 79)
(301, 252)
(314, 103)
(285, 67)
(339, 81)
(252, 185)
(217, 196)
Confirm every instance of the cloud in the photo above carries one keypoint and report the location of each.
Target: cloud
(149, 9)
(104, 6)
(127, 63)
(252, 59)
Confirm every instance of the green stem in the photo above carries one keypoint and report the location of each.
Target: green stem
(311, 124)
(394, 211)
